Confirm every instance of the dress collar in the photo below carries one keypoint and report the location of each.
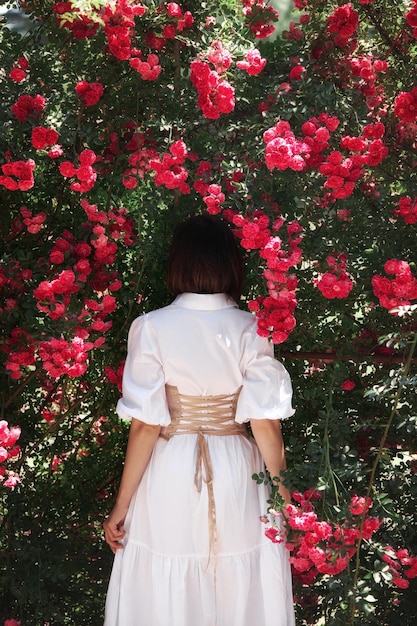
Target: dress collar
(204, 301)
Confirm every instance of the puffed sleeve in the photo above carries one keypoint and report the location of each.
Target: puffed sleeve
(266, 389)
(143, 387)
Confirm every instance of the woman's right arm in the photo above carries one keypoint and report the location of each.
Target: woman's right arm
(142, 439)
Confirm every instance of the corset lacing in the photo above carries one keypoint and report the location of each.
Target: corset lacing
(203, 415)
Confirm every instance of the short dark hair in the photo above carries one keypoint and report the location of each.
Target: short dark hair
(205, 258)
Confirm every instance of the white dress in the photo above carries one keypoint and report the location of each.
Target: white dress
(166, 574)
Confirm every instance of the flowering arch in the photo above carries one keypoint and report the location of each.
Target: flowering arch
(119, 119)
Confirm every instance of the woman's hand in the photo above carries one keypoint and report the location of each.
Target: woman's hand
(142, 439)
(114, 528)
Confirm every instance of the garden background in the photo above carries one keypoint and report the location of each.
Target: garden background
(295, 122)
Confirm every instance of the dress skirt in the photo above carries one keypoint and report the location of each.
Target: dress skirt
(169, 573)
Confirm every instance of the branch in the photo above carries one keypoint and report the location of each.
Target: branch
(333, 356)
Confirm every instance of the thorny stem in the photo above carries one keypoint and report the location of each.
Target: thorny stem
(378, 456)
(328, 465)
(391, 43)
(22, 385)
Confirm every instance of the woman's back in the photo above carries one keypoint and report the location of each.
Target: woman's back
(203, 345)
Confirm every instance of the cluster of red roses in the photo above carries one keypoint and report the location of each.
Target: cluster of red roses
(82, 261)
(115, 375)
(343, 23)
(365, 70)
(96, 312)
(142, 151)
(319, 547)
(59, 356)
(33, 223)
(360, 72)
(89, 93)
(411, 18)
(402, 566)
(139, 164)
(169, 169)
(149, 69)
(18, 72)
(28, 108)
(214, 199)
(119, 225)
(275, 311)
(8, 450)
(66, 249)
(407, 133)
(177, 22)
(85, 173)
(86, 260)
(202, 177)
(12, 622)
(215, 94)
(219, 56)
(119, 24)
(129, 139)
(43, 138)
(53, 296)
(407, 209)
(405, 106)
(284, 151)
(294, 33)
(70, 17)
(261, 16)
(20, 350)
(253, 63)
(343, 172)
(300, 4)
(335, 283)
(18, 175)
(398, 292)
(65, 358)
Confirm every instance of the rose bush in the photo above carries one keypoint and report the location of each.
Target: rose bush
(120, 118)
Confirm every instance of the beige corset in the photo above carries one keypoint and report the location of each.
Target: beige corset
(203, 415)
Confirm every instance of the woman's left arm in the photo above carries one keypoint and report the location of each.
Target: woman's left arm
(268, 436)
(142, 439)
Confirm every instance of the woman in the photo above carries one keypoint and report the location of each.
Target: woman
(189, 546)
